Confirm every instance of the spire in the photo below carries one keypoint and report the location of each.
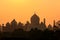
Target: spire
(34, 12)
(54, 23)
(44, 20)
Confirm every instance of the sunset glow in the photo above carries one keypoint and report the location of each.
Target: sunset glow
(22, 10)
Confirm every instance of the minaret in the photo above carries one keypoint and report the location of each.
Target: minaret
(0, 28)
(44, 20)
(54, 23)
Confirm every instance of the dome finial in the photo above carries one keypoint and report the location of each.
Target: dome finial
(35, 12)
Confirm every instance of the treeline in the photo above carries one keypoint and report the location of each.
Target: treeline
(33, 34)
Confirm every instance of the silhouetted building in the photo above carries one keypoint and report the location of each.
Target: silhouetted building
(0, 28)
(35, 22)
(35, 19)
(54, 23)
(20, 25)
(13, 25)
(27, 26)
(8, 26)
(58, 23)
(44, 21)
(54, 26)
(50, 27)
(3, 28)
(42, 26)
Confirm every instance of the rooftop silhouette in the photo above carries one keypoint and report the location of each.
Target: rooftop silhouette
(35, 23)
(34, 30)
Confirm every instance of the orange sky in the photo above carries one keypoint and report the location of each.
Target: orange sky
(22, 10)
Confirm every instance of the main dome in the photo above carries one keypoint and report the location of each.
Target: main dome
(35, 19)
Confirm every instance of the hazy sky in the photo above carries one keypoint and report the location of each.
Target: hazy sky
(22, 10)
